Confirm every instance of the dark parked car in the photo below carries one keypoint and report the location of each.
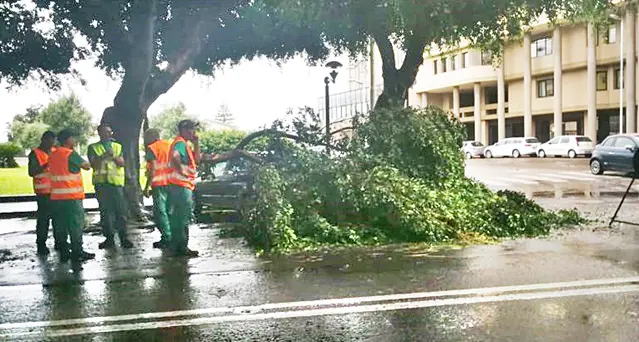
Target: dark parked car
(223, 187)
(615, 153)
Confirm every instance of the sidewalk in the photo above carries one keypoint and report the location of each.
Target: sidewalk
(21, 209)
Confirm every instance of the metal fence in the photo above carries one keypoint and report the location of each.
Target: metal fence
(347, 104)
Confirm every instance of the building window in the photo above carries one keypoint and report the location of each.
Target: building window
(545, 88)
(444, 62)
(453, 62)
(541, 47)
(486, 58)
(435, 67)
(617, 79)
(607, 35)
(602, 80)
(465, 61)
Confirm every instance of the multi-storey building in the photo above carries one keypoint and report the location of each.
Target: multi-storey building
(554, 81)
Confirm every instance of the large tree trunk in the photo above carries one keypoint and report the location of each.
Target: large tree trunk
(397, 82)
(126, 121)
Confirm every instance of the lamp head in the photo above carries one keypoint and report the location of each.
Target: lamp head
(334, 66)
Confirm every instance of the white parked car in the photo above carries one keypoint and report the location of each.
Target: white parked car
(473, 149)
(513, 147)
(567, 145)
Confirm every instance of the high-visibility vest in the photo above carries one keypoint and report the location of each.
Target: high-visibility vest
(42, 181)
(176, 177)
(161, 168)
(65, 185)
(108, 172)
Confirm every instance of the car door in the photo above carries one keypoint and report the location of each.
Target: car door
(503, 147)
(494, 149)
(563, 147)
(604, 152)
(622, 153)
(551, 146)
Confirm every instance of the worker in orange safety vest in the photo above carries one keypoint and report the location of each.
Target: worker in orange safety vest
(157, 181)
(39, 170)
(67, 195)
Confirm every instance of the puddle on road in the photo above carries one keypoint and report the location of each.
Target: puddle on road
(577, 192)
(587, 194)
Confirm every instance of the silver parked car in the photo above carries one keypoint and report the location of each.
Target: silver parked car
(566, 145)
(473, 149)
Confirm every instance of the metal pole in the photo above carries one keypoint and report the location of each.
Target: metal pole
(372, 73)
(328, 113)
(621, 83)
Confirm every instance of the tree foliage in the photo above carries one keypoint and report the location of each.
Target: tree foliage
(25, 48)
(8, 152)
(386, 185)
(168, 120)
(67, 112)
(415, 26)
(150, 45)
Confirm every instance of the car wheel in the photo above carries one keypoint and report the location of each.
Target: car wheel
(488, 154)
(541, 154)
(516, 154)
(469, 156)
(572, 154)
(596, 168)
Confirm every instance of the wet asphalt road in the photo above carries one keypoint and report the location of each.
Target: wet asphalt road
(223, 290)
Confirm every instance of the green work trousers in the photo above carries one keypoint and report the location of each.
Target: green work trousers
(112, 210)
(181, 200)
(69, 219)
(44, 220)
(161, 209)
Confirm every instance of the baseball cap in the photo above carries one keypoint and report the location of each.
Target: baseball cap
(188, 124)
(65, 134)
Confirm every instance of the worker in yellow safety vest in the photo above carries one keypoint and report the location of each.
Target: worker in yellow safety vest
(107, 162)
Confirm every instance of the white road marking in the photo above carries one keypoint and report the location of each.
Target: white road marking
(543, 179)
(567, 176)
(586, 174)
(325, 312)
(326, 302)
(520, 181)
(493, 183)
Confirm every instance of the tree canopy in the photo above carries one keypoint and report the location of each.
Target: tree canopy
(168, 120)
(149, 44)
(67, 112)
(414, 26)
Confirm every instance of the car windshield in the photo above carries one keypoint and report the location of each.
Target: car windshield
(532, 141)
(476, 144)
(583, 139)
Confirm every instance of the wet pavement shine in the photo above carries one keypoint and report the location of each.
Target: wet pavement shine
(575, 285)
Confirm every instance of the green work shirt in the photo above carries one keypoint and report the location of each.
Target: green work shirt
(149, 155)
(184, 156)
(75, 162)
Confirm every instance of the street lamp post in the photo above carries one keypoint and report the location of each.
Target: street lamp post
(334, 66)
(621, 75)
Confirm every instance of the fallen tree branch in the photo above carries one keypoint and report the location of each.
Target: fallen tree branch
(273, 132)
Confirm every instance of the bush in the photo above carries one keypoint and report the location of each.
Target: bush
(400, 179)
(8, 153)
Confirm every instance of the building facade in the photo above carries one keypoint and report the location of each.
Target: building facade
(555, 81)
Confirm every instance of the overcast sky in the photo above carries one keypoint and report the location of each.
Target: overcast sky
(256, 92)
